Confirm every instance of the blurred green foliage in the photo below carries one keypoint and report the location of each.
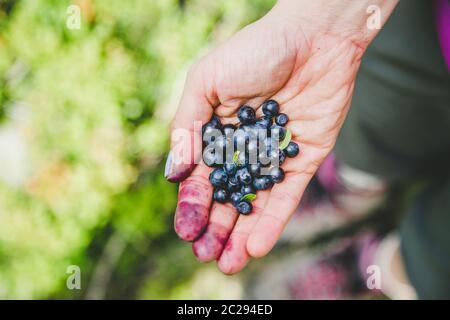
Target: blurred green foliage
(98, 100)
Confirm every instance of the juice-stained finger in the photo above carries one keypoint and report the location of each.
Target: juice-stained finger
(210, 245)
(282, 202)
(194, 203)
(234, 256)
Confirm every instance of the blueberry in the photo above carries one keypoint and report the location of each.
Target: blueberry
(244, 176)
(240, 139)
(220, 195)
(218, 177)
(277, 131)
(244, 207)
(246, 189)
(267, 151)
(277, 153)
(257, 141)
(270, 144)
(233, 184)
(292, 150)
(230, 168)
(270, 108)
(220, 142)
(246, 115)
(235, 198)
(263, 158)
(228, 130)
(254, 168)
(215, 122)
(281, 119)
(281, 156)
(210, 133)
(252, 148)
(243, 159)
(209, 156)
(264, 122)
(262, 183)
(277, 174)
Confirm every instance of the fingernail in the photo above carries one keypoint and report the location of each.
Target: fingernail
(169, 166)
(176, 172)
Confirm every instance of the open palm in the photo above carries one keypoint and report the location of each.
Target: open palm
(312, 77)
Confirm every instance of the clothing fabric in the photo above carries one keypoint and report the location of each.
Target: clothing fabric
(398, 129)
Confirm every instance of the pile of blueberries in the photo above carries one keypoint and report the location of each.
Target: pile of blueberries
(247, 158)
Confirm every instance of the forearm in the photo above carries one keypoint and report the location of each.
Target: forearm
(357, 19)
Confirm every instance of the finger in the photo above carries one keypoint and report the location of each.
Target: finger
(210, 245)
(229, 110)
(194, 202)
(186, 133)
(234, 256)
(283, 200)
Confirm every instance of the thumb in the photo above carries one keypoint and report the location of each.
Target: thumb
(193, 111)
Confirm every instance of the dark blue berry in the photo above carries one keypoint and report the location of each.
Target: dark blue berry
(262, 183)
(277, 174)
(292, 149)
(264, 122)
(282, 119)
(210, 134)
(247, 189)
(220, 195)
(220, 142)
(233, 184)
(230, 168)
(268, 151)
(270, 108)
(246, 115)
(252, 147)
(277, 131)
(254, 132)
(254, 168)
(277, 153)
(228, 130)
(215, 121)
(209, 156)
(244, 207)
(243, 159)
(244, 176)
(218, 177)
(235, 198)
(240, 139)
(250, 169)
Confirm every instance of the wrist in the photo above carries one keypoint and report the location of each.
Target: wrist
(346, 18)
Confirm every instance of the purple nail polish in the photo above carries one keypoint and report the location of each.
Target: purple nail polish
(169, 163)
(176, 172)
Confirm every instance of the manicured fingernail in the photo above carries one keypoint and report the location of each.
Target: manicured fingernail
(169, 165)
(176, 172)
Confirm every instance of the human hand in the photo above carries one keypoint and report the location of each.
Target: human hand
(311, 73)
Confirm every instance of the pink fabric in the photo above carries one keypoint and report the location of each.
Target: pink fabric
(327, 174)
(442, 13)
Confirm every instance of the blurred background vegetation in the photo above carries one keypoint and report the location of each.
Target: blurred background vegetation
(83, 136)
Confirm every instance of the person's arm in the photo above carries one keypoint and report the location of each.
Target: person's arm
(304, 54)
(345, 17)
